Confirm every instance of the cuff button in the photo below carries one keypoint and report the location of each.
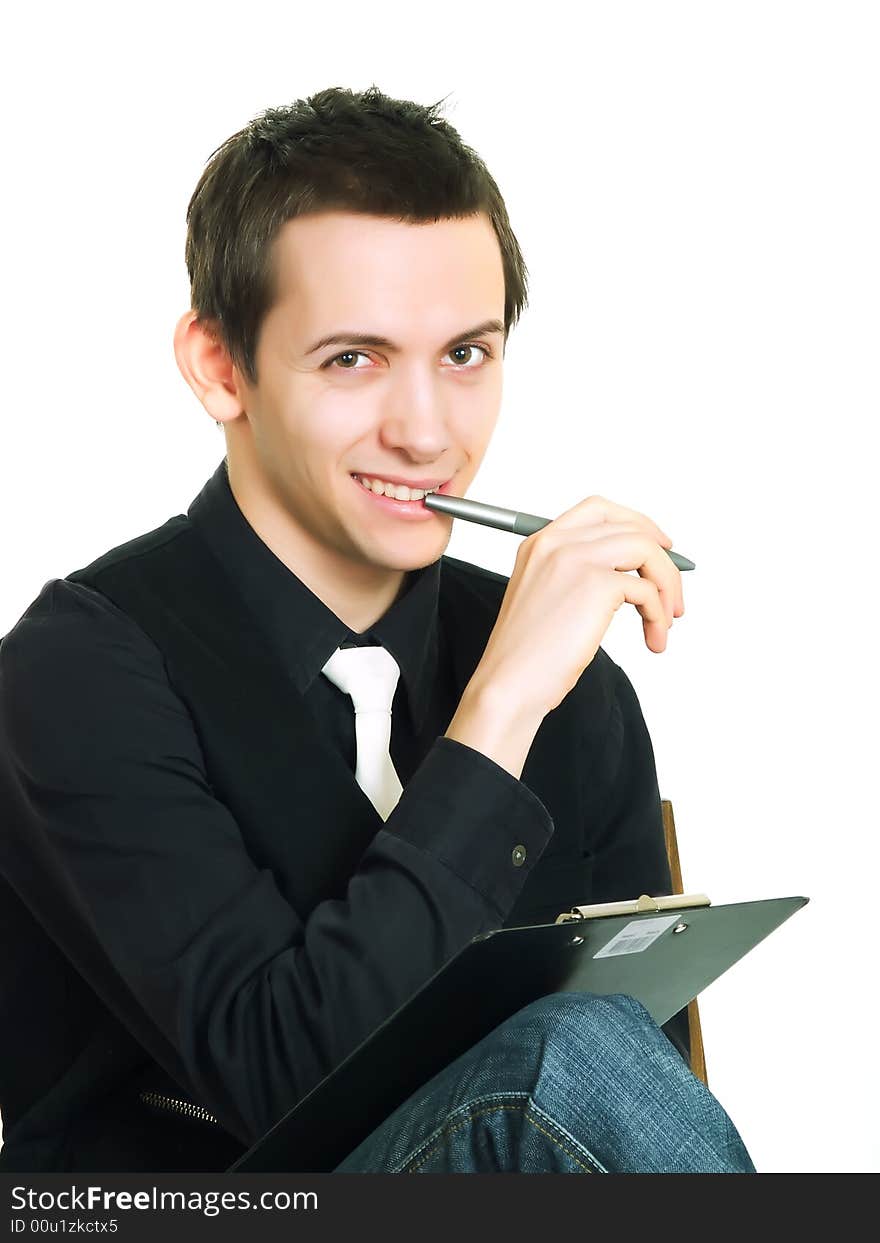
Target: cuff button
(518, 856)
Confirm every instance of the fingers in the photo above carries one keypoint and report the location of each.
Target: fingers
(663, 573)
(645, 595)
(596, 509)
(594, 547)
(619, 546)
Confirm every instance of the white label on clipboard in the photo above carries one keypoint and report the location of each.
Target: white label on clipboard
(637, 936)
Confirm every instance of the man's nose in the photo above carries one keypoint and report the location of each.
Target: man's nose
(415, 417)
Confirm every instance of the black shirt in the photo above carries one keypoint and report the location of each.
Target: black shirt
(101, 755)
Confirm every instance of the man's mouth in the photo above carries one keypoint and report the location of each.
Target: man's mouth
(396, 491)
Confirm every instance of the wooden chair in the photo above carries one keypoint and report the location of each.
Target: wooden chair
(698, 1059)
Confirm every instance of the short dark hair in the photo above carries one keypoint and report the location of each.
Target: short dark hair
(337, 150)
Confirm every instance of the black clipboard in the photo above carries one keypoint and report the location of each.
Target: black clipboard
(493, 977)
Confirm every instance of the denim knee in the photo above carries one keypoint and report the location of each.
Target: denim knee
(596, 1019)
(564, 1046)
(609, 1075)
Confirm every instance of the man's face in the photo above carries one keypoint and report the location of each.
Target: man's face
(419, 408)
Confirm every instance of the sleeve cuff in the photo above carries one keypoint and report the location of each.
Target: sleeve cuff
(476, 818)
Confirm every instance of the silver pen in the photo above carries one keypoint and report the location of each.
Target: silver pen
(508, 519)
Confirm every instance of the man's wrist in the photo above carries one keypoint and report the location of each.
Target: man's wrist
(491, 719)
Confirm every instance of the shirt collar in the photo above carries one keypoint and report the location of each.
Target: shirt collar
(305, 631)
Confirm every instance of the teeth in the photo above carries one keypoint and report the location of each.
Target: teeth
(398, 491)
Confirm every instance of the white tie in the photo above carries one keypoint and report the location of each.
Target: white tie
(369, 675)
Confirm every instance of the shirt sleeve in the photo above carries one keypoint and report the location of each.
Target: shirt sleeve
(259, 1005)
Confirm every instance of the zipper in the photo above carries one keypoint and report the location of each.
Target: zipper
(187, 1108)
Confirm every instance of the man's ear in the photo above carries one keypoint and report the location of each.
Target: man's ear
(207, 368)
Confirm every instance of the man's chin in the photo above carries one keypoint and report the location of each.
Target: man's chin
(411, 555)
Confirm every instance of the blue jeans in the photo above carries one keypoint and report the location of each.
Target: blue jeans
(572, 1084)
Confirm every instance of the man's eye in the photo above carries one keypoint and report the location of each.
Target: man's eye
(347, 354)
(472, 346)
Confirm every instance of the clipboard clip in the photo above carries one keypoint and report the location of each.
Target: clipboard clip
(644, 904)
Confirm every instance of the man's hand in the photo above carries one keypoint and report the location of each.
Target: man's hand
(569, 580)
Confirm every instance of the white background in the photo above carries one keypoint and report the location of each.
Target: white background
(695, 189)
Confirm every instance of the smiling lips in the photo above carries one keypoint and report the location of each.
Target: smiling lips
(397, 491)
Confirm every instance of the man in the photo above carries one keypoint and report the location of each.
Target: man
(211, 903)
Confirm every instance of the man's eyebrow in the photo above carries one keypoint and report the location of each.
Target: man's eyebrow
(486, 329)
